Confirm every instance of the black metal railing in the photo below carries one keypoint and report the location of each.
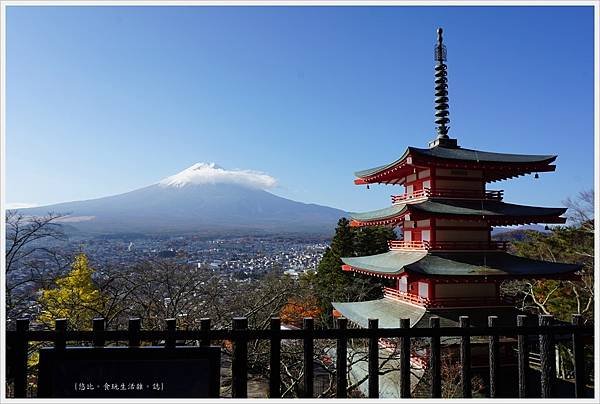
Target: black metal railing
(545, 331)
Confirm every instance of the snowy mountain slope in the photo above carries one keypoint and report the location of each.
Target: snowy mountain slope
(203, 198)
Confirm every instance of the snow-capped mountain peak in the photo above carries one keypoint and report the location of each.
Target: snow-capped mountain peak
(202, 199)
(212, 173)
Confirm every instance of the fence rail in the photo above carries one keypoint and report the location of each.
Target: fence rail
(240, 335)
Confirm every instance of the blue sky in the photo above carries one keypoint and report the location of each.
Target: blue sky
(103, 100)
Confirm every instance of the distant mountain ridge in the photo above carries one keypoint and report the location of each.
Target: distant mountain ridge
(517, 233)
(203, 198)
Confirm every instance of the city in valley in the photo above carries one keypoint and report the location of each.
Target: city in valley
(234, 259)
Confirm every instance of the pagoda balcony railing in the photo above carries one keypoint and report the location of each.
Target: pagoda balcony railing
(449, 194)
(395, 294)
(448, 245)
(420, 194)
(465, 301)
(408, 245)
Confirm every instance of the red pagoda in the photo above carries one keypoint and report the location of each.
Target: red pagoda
(446, 264)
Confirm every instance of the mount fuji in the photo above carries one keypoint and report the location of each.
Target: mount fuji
(203, 199)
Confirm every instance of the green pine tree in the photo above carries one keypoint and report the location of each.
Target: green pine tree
(334, 285)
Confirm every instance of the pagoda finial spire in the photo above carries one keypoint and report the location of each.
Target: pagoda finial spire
(441, 88)
(441, 95)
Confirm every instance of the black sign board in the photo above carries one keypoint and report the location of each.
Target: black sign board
(123, 372)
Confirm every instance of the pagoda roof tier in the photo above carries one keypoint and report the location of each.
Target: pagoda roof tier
(496, 166)
(477, 263)
(496, 212)
(389, 311)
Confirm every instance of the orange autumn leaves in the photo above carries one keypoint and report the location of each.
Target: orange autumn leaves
(297, 308)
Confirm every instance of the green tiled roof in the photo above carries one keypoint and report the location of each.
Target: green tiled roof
(389, 312)
(484, 207)
(482, 156)
(463, 154)
(391, 263)
(460, 208)
(477, 263)
(379, 214)
(375, 170)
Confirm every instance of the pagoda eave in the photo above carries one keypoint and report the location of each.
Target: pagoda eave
(491, 220)
(390, 222)
(570, 276)
(395, 175)
(389, 310)
(500, 175)
(349, 268)
(396, 172)
(457, 264)
(493, 212)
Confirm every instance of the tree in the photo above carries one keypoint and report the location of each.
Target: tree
(573, 243)
(581, 210)
(372, 240)
(333, 284)
(297, 308)
(75, 297)
(32, 258)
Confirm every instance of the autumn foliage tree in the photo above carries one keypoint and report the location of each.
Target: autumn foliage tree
(297, 308)
(75, 297)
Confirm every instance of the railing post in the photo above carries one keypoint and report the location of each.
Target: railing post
(405, 360)
(205, 330)
(435, 359)
(547, 358)
(523, 357)
(308, 343)
(98, 327)
(493, 347)
(579, 366)
(134, 332)
(341, 359)
(275, 359)
(171, 327)
(60, 328)
(465, 358)
(20, 365)
(373, 359)
(239, 361)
